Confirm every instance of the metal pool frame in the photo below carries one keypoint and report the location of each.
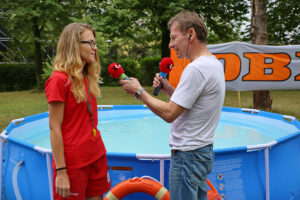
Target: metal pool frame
(158, 158)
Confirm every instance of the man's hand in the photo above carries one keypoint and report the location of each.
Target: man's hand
(166, 88)
(131, 86)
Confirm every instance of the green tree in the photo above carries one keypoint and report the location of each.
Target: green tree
(37, 24)
(283, 21)
(127, 18)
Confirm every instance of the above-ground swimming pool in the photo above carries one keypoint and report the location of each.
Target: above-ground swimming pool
(256, 153)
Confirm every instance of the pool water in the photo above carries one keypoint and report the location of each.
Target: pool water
(141, 131)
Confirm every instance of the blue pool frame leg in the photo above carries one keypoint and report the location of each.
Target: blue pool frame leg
(48, 153)
(161, 158)
(267, 161)
(49, 175)
(266, 152)
(162, 171)
(264, 147)
(267, 172)
(3, 136)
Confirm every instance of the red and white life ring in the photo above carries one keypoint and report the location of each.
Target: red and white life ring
(150, 187)
(143, 185)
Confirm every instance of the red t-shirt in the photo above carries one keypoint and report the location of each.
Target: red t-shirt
(80, 146)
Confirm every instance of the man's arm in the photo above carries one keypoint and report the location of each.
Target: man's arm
(168, 111)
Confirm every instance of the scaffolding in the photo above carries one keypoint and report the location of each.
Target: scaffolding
(4, 47)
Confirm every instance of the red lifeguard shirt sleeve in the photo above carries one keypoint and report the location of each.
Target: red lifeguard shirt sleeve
(56, 89)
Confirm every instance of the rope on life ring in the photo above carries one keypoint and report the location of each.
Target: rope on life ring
(212, 194)
(144, 185)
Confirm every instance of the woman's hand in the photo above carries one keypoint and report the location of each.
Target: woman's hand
(62, 184)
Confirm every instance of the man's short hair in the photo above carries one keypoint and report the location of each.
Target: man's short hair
(188, 19)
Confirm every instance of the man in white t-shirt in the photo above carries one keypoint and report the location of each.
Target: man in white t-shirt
(194, 108)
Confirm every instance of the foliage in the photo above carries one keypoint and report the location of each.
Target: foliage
(133, 18)
(137, 29)
(136, 49)
(130, 66)
(52, 17)
(16, 77)
(283, 18)
(21, 76)
(10, 56)
(106, 78)
(149, 67)
(37, 24)
(47, 72)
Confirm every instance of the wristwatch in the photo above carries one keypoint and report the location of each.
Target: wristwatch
(138, 93)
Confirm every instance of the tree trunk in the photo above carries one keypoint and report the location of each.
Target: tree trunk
(37, 53)
(165, 51)
(259, 35)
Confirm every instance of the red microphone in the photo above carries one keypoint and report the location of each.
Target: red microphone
(116, 71)
(165, 66)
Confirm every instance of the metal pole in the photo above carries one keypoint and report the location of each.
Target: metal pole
(3, 136)
(1, 165)
(162, 171)
(49, 175)
(267, 173)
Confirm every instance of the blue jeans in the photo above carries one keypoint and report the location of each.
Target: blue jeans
(188, 173)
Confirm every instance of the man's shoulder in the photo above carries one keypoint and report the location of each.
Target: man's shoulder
(206, 62)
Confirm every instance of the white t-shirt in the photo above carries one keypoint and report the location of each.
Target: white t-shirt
(201, 91)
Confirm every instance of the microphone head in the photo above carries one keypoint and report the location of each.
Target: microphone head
(166, 65)
(115, 70)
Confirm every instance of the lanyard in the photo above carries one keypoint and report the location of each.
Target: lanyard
(90, 108)
(94, 132)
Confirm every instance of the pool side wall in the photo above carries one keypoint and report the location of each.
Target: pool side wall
(238, 173)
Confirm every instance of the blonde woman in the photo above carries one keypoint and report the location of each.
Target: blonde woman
(79, 155)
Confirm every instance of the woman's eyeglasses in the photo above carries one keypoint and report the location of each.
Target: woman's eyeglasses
(92, 43)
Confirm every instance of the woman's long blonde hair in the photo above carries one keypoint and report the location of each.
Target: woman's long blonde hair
(68, 60)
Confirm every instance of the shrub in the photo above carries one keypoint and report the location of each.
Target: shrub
(149, 67)
(47, 71)
(17, 77)
(106, 78)
(130, 66)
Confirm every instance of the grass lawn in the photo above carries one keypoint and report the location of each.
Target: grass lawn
(15, 105)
